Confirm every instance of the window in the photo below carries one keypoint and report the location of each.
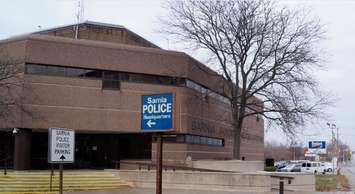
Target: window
(52, 70)
(110, 80)
(110, 84)
(75, 72)
(93, 74)
(195, 139)
(55, 71)
(205, 92)
(36, 69)
(189, 139)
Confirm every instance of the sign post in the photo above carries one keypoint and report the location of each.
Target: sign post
(159, 166)
(156, 116)
(61, 149)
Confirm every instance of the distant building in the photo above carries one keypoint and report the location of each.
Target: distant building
(94, 85)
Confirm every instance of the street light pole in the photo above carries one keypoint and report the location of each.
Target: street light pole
(334, 147)
(338, 150)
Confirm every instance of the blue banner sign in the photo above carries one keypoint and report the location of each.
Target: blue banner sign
(157, 112)
(316, 144)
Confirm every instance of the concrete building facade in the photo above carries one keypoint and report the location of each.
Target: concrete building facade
(93, 84)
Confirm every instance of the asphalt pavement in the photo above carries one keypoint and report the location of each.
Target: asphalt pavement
(348, 169)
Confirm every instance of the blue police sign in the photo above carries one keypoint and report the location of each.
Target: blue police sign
(316, 144)
(157, 112)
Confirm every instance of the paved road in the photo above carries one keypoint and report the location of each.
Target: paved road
(348, 170)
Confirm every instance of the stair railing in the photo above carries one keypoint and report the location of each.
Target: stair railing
(51, 178)
(5, 160)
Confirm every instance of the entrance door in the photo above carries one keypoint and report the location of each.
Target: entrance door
(6, 149)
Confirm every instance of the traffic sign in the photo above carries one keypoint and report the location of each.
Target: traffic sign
(157, 112)
(61, 145)
(317, 147)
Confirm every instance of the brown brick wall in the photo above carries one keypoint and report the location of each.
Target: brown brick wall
(100, 33)
(81, 104)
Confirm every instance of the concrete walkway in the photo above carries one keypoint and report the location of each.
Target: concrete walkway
(348, 170)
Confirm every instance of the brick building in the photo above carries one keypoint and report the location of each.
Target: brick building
(94, 83)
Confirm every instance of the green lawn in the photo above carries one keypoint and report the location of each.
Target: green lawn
(331, 182)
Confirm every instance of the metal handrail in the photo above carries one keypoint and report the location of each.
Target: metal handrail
(5, 160)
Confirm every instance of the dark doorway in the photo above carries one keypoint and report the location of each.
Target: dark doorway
(96, 151)
(6, 149)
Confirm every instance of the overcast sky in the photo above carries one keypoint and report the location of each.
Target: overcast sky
(141, 16)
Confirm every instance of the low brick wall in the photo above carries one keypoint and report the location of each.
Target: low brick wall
(300, 181)
(230, 165)
(242, 182)
(199, 180)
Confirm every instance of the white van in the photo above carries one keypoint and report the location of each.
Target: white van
(315, 167)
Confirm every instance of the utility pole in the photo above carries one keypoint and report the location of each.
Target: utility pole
(335, 142)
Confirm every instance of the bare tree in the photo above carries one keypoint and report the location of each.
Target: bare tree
(10, 72)
(267, 54)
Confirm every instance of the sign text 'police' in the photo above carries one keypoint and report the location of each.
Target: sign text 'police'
(157, 111)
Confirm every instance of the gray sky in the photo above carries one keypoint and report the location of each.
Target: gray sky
(141, 16)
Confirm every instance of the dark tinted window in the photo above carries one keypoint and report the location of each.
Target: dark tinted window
(36, 69)
(55, 71)
(110, 84)
(75, 72)
(110, 79)
(195, 139)
(141, 78)
(110, 75)
(93, 74)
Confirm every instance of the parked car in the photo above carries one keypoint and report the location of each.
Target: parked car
(291, 168)
(312, 167)
(317, 167)
(281, 164)
(327, 167)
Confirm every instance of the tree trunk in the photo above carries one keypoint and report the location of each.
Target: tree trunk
(237, 128)
(236, 142)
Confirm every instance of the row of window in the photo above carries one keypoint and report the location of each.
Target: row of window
(206, 92)
(112, 79)
(195, 139)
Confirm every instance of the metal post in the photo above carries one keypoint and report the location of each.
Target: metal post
(281, 186)
(51, 178)
(60, 178)
(338, 150)
(5, 169)
(333, 151)
(159, 161)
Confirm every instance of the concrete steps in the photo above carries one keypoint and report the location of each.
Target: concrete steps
(33, 182)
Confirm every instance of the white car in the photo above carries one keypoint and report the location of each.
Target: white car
(312, 167)
(316, 167)
(291, 168)
(327, 167)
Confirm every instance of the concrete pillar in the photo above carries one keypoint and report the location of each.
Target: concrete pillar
(22, 150)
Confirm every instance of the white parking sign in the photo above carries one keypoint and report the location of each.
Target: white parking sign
(61, 145)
